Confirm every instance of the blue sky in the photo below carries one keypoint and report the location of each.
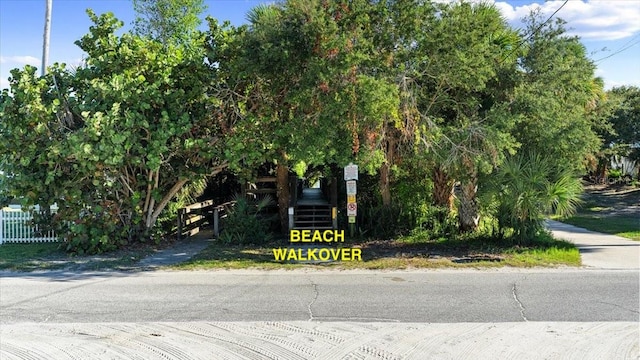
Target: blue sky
(609, 29)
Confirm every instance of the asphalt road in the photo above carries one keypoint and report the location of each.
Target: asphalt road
(495, 314)
(403, 296)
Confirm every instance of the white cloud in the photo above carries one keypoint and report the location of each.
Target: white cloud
(4, 84)
(22, 60)
(591, 20)
(608, 85)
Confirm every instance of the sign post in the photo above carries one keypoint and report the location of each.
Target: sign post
(351, 177)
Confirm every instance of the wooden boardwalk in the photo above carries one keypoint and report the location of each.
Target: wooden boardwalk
(312, 197)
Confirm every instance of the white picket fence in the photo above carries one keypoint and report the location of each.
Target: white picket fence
(15, 227)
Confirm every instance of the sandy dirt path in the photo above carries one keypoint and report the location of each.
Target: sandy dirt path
(311, 340)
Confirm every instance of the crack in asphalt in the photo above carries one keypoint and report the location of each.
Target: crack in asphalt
(515, 297)
(315, 297)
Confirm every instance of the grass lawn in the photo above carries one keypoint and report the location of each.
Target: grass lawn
(29, 257)
(625, 226)
(416, 251)
(610, 210)
(407, 252)
(48, 256)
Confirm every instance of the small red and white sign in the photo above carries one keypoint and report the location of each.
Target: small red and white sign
(352, 209)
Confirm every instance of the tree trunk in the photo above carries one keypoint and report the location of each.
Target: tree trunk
(385, 189)
(468, 214)
(385, 169)
(282, 186)
(442, 188)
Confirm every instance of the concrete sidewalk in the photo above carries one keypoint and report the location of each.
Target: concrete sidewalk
(599, 250)
(179, 252)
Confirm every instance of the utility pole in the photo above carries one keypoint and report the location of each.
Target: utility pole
(47, 32)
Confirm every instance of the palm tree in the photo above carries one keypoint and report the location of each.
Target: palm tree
(528, 187)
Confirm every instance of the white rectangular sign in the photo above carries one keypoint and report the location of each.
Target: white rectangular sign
(351, 172)
(351, 187)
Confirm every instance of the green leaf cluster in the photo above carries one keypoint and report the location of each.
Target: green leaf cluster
(113, 141)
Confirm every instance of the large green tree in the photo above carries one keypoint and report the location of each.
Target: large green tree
(168, 21)
(625, 121)
(556, 96)
(308, 100)
(114, 141)
(466, 62)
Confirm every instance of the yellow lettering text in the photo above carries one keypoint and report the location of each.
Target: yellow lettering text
(323, 254)
(314, 254)
(279, 254)
(294, 235)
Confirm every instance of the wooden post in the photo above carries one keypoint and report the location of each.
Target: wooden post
(333, 196)
(293, 190)
(180, 213)
(291, 212)
(1, 227)
(216, 222)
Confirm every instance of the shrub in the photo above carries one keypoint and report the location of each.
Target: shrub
(528, 187)
(439, 222)
(245, 223)
(384, 222)
(614, 174)
(93, 232)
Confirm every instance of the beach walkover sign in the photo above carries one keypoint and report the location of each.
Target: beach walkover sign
(351, 177)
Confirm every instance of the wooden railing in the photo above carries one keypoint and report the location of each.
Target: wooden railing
(192, 218)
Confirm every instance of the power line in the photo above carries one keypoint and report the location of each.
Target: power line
(618, 52)
(535, 31)
(633, 38)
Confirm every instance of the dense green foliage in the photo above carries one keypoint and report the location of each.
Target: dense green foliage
(528, 187)
(171, 22)
(625, 122)
(431, 100)
(246, 222)
(556, 97)
(113, 142)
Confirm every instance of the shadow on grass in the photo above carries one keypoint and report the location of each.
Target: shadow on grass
(413, 251)
(49, 260)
